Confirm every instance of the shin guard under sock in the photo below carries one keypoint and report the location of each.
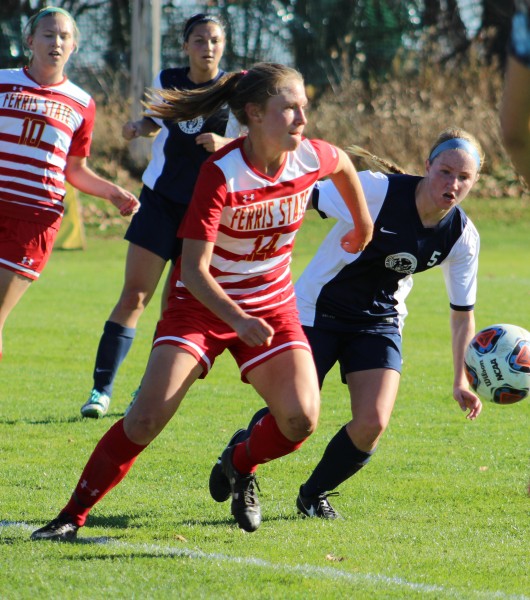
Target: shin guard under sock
(266, 442)
(340, 461)
(109, 463)
(114, 346)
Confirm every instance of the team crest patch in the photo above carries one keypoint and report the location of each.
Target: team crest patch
(193, 126)
(402, 262)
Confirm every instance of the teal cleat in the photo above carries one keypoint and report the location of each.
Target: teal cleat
(96, 406)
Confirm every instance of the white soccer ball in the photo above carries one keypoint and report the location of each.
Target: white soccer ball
(497, 363)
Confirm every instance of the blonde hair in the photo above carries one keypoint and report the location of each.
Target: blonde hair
(384, 165)
(256, 86)
(456, 132)
(34, 20)
(380, 164)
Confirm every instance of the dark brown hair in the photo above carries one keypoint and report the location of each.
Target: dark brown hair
(199, 19)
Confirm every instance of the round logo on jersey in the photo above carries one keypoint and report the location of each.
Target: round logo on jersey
(402, 262)
(193, 126)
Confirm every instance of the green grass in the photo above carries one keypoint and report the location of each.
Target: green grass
(441, 511)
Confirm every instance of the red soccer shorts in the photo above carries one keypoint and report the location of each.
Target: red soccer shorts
(25, 246)
(205, 336)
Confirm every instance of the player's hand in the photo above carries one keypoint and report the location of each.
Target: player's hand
(131, 130)
(254, 331)
(467, 400)
(210, 141)
(355, 241)
(124, 201)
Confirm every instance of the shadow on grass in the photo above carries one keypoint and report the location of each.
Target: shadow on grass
(108, 420)
(119, 523)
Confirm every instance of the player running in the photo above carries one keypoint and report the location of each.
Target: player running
(352, 307)
(232, 287)
(46, 127)
(178, 151)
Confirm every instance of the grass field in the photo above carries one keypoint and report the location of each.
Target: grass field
(441, 511)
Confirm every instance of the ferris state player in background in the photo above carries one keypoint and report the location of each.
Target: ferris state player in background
(46, 127)
(178, 151)
(232, 288)
(353, 308)
(515, 106)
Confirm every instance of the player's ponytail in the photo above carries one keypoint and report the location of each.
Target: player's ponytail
(254, 86)
(461, 137)
(380, 164)
(184, 105)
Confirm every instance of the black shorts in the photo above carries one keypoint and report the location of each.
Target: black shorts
(155, 225)
(353, 351)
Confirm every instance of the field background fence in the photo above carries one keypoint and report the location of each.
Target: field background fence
(385, 74)
(328, 40)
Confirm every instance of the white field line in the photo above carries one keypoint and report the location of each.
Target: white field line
(305, 570)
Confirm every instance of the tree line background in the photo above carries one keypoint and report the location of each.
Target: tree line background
(327, 40)
(385, 74)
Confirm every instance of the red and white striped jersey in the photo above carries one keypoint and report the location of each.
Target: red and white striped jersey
(40, 126)
(253, 219)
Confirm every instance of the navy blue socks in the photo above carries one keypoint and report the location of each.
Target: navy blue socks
(114, 345)
(340, 461)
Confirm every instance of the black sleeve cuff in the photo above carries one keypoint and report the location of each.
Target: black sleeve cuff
(462, 308)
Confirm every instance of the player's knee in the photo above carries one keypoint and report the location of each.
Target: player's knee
(372, 428)
(133, 300)
(142, 429)
(302, 425)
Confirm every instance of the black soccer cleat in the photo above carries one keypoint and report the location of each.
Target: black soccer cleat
(317, 506)
(245, 506)
(60, 529)
(219, 484)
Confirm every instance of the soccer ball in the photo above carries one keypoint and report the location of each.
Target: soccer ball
(497, 363)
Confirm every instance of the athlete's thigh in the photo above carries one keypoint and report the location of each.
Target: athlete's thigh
(373, 394)
(12, 288)
(143, 270)
(168, 376)
(288, 383)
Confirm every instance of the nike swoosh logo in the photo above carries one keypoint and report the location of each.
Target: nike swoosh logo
(102, 370)
(311, 512)
(383, 230)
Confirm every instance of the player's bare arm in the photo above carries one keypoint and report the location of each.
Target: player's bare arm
(84, 179)
(211, 141)
(347, 182)
(196, 276)
(144, 127)
(462, 331)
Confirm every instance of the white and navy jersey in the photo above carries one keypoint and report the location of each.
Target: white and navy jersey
(252, 219)
(367, 290)
(40, 126)
(176, 157)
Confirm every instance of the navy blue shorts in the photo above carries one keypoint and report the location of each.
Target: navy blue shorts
(155, 225)
(353, 351)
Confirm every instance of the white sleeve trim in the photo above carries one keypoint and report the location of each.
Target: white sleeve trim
(375, 188)
(460, 268)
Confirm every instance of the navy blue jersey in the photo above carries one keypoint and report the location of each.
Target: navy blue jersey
(176, 158)
(367, 290)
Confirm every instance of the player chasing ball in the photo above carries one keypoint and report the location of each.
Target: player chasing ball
(232, 287)
(352, 306)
